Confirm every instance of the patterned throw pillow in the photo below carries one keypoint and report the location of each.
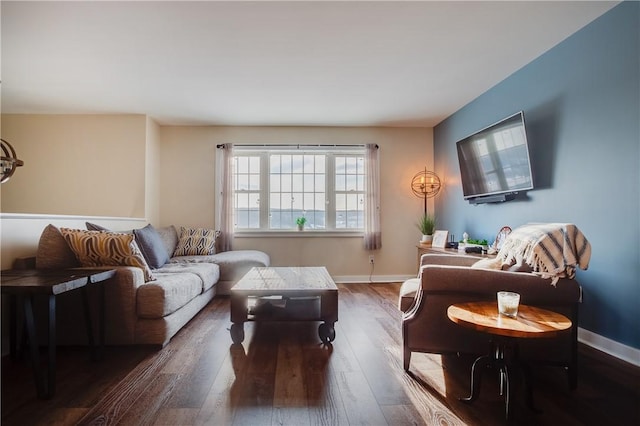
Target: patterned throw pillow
(101, 248)
(196, 242)
(149, 240)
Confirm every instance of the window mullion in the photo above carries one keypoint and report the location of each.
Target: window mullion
(264, 190)
(330, 182)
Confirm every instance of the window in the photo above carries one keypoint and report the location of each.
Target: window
(349, 191)
(274, 186)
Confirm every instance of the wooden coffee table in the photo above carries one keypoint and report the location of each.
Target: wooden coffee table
(285, 294)
(531, 322)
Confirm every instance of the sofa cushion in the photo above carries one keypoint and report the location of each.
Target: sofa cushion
(101, 248)
(233, 264)
(151, 246)
(209, 273)
(169, 237)
(196, 241)
(53, 251)
(174, 287)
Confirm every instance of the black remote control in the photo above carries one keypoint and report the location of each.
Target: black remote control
(473, 249)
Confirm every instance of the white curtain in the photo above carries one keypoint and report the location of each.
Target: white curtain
(372, 232)
(224, 189)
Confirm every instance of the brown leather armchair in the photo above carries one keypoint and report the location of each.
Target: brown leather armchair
(447, 279)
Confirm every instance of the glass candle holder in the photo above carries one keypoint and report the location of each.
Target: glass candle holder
(508, 303)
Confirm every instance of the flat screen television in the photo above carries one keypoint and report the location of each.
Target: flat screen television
(494, 162)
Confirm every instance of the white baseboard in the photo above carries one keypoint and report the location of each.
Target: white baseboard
(611, 347)
(355, 279)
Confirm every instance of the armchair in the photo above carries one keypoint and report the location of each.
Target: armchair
(447, 279)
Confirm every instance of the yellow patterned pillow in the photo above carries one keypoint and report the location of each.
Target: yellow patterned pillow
(196, 242)
(102, 248)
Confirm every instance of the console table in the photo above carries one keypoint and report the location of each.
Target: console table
(23, 285)
(531, 322)
(425, 249)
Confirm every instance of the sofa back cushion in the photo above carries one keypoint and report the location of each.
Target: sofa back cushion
(101, 248)
(169, 237)
(53, 251)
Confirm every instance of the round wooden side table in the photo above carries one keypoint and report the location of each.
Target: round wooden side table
(530, 323)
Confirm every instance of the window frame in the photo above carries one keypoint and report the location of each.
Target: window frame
(330, 153)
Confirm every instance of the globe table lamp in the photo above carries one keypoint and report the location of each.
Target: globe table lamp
(425, 184)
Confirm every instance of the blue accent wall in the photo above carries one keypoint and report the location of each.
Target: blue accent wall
(581, 101)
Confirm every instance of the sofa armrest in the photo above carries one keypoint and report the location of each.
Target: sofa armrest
(120, 304)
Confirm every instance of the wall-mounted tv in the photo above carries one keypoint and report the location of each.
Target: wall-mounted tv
(494, 162)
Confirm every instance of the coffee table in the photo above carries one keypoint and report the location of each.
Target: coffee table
(285, 294)
(531, 322)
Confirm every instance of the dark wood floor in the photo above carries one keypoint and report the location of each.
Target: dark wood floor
(282, 375)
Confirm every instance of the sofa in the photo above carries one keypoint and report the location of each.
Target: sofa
(446, 279)
(163, 278)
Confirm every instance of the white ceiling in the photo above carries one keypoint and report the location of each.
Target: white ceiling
(272, 63)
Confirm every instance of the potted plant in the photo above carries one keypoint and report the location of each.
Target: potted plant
(427, 225)
(300, 222)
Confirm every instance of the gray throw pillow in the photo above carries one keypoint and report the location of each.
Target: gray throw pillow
(95, 227)
(151, 246)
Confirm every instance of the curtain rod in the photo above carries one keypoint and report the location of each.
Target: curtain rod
(298, 146)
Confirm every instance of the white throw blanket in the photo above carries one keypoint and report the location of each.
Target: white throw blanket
(552, 250)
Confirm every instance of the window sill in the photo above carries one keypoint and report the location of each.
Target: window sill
(299, 234)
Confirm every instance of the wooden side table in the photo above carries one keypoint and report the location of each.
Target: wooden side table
(530, 323)
(25, 284)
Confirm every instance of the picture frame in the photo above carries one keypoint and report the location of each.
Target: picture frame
(500, 238)
(440, 239)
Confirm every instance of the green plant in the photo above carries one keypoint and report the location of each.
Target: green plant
(477, 242)
(301, 221)
(427, 224)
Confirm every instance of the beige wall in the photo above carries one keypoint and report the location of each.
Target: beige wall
(152, 172)
(188, 175)
(77, 164)
(125, 171)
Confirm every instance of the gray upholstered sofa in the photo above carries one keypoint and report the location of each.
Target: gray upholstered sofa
(143, 309)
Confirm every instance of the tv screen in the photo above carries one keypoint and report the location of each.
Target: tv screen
(495, 160)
